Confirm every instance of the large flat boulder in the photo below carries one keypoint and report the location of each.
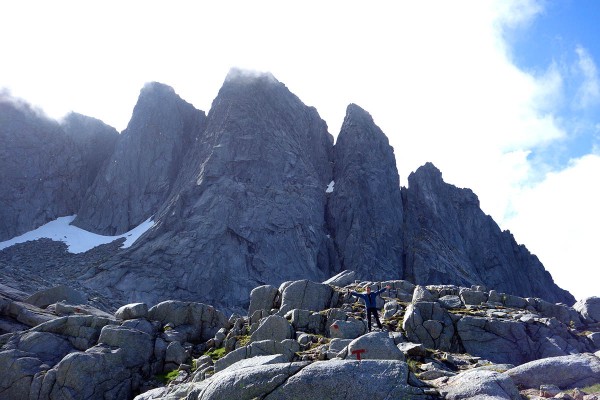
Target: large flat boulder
(566, 372)
(307, 295)
(53, 295)
(200, 322)
(480, 384)
(589, 308)
(349, 380)
(374, 346)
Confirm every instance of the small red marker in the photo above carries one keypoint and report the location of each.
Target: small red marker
(358, 353)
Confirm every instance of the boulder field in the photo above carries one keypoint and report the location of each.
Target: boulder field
(305, 340)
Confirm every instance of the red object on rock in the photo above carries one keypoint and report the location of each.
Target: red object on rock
(358, 353)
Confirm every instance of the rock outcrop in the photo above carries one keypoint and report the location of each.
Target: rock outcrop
(270, 356)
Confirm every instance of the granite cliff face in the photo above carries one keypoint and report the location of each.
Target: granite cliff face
(45, 166)
(249, 205)
(365, 206)
(448, 239)
(253, 193)
(95, 142)
(140, 173)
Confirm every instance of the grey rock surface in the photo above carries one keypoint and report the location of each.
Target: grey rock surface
(374, 346)
(81, 331)
(429, 323)
(26, 356)
(141, 172)
(273, 327)
(439, 217)
(41, 169)
(256, 381)
(137, 347)
(198, 322)
(350, 329)
(53, 295)
(247, 208)
(262, 298)
(94, 140)
(589, 308)
(132, 311)
(577, 370)
(480, 384)
(500, 341)
(95, 374)
(23, 314)
(253, 194)
(307, 295)
(351, 380)
(286, 348)
(342, 279)
(365, 212)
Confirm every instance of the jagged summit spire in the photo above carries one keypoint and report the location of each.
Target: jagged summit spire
(359, 125)
(354, 111)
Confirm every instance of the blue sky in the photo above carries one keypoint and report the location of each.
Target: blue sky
(503, 96)
(563, 37)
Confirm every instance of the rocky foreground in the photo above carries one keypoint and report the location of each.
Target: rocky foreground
(302, 340)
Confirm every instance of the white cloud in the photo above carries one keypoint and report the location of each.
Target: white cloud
(558, 220)
(588, 93)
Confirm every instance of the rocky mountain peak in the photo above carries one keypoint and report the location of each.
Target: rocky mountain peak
(357, 115)
(145, 164)
(251, 209)
(428, 180)
(40, 167)
(449, 239)
(363, 207)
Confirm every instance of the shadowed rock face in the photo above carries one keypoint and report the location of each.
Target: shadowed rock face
(140, 174)
(365, 207)
(248, 208)
(448, 239)
(95, 141)
(45, 167)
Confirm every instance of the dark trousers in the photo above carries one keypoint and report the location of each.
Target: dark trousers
(373, 312)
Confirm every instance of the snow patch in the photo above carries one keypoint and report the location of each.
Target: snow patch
(330, 187)
(77, 239)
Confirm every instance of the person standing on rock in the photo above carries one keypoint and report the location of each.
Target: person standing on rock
(370, 299)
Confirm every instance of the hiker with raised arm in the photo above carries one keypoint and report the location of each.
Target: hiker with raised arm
(370, 300)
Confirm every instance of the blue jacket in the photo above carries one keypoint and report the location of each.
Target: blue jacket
(369, 299)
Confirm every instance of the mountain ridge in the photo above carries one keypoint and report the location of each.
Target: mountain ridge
(239, 198)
